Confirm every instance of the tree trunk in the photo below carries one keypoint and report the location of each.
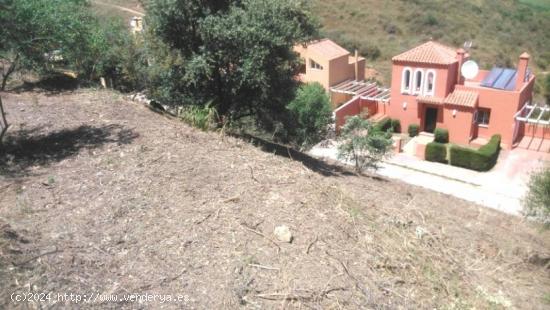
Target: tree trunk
(4, 82)
(3, 122)
(11, 69)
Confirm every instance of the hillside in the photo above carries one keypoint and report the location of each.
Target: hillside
(100, 195)
(500, 29)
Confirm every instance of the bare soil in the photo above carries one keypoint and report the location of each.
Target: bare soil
(99, 194)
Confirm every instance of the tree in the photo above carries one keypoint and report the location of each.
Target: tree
(235, 54)
(312, 113)
(362, 144)
(44, 35)
(34, 33)
(112, 52)
(537, 200)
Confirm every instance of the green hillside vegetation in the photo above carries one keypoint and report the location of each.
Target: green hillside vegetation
(500, 29)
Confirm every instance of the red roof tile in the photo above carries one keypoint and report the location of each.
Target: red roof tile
(430, 100)
(430, 52)
(462, 98)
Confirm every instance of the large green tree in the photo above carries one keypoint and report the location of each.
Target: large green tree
(235, 55)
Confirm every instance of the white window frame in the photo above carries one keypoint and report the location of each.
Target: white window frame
(406, 89)
(315, 65)
(415, 82)
(428, 92)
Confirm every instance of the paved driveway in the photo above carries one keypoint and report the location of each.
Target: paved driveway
(502, 188)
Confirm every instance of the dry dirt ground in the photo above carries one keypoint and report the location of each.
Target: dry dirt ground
(100, 195)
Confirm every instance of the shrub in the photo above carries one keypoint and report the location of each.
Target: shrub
(413, 130)
(312, 113)
(395, 125)
(200, 117)
(436, 152)
(362, 144)
(388, 124)
(441, 135)
(383, 125)
(480, 160)
(537, 200)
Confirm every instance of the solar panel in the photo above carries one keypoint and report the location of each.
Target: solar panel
(504, 79)
(491, 77)
(500, 78)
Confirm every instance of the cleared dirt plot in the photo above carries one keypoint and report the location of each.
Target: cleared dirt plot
(100, 195)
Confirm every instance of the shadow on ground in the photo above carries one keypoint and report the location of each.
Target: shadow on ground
(312, 163)
(53, 84)
(26, 148)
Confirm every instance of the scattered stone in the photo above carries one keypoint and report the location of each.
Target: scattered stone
(283, 233)
(420, 232)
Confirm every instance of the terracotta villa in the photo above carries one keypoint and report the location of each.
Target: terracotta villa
(428, 89)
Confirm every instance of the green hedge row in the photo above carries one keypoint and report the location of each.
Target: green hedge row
(436, 152)
(480, 160)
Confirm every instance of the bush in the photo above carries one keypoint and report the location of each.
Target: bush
(441, 135)
(383, 125)
(413, 130)
(537, 200)
(312, 113)
(388, 124)
(362, 144)
(436, 152)
(480, 160)
(395, 125)
(200, 117)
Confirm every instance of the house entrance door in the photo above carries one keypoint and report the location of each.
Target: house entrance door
(430, 119)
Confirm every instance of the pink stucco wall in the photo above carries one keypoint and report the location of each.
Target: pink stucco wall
(358, 106)
(335, 70)
(502, 103)
(536, 131)
(503, 106)
(414, 112)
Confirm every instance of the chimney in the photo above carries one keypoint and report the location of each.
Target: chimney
(522, 70)
(356, 65)
(460, 54)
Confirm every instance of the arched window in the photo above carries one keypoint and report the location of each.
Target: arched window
(418, 82)
(406, 81)
(430, 83)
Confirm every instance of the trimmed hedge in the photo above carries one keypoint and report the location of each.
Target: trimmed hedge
(483, 159)
(413, 130)
(441, 135)
(436, 152)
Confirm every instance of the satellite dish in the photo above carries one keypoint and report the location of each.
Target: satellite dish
(469, 69)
